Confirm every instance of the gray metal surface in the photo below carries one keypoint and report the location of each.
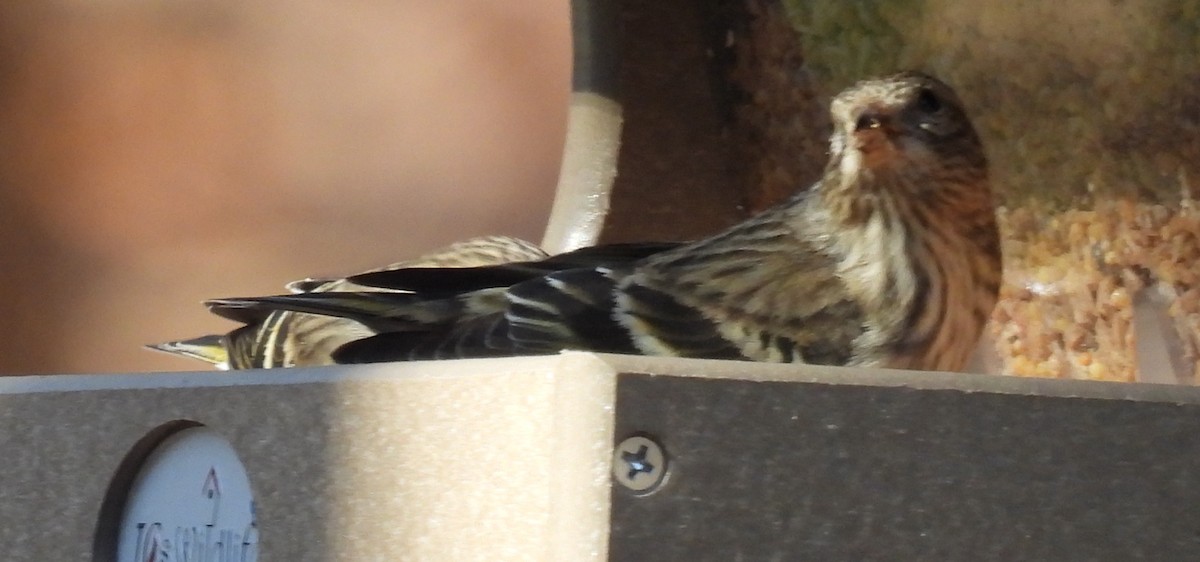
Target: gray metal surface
(766, 470)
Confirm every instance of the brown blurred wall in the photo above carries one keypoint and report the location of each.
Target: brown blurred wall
(156, 153)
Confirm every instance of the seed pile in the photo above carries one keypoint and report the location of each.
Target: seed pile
(1071, 281)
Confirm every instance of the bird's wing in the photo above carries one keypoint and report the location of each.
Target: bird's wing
(767, 289)
(444, 280)
(244, 315)
(564, 309)
(380, 311)
(578, 308)
(570, 309)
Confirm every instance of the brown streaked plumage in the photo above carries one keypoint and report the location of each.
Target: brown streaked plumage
(291, 339)
(891, 260)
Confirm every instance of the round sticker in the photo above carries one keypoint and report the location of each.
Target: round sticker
(190, 500)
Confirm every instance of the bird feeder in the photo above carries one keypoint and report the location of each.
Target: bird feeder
(583, 456)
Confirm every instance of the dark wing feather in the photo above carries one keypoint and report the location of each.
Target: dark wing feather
(565, 310)
(478, 337)
(450, 280)
(570, 309)
(237, 313)
(565, 301)
(378, 311)
(683, 329)
(445, 280)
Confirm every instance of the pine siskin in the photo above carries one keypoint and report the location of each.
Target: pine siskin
(271, 339)
(891, 260)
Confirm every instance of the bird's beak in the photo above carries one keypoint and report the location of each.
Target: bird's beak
(874, 135)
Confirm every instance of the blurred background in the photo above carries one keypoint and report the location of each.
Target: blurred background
(153, 154)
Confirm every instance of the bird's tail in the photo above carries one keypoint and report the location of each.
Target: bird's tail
(379, 311)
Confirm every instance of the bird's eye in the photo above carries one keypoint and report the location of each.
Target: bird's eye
(928, 102)
(866, 122)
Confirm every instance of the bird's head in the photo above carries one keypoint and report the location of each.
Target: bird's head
(906, 124)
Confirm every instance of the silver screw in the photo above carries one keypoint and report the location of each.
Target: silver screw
(639, 464)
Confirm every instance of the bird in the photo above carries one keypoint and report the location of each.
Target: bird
(283, 338)
(890, 260)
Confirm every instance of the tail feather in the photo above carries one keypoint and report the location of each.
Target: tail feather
(568, 301)
(380, 311)
(282, 332)
(566, 310)
(444, 280)
(449, 281)
(242, 314)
